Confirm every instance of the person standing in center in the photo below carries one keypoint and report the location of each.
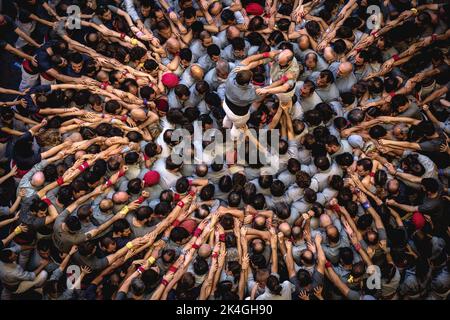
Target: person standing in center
(284, 72)
(240, 92)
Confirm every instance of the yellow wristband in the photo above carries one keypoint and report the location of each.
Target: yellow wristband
(124, 211)
(129, 245)
(151, 260)
(17, 230)
(133, 41)
(414, 10)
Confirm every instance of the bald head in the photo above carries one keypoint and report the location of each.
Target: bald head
(260, 221)
(329, 54)
(325, 220)
(233, 32)
(314, 223)
(285, 228)
(303, 42)
(400, 131)
(297, 232)
(393, 186)
(197, 72)
(92, 37)
(138, 114)
(345, 69)
(120, 197)
(204, 251)
(172, 45)
(285, 57)
(222, 69)
(332, 234)
(102, 76)
(38, 179)
(106, 204)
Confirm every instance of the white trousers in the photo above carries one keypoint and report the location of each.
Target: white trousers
(28, 80)
(45, 81)
(233, 121)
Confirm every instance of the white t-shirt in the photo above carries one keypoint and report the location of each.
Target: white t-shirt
(286, 293)
(167, 179)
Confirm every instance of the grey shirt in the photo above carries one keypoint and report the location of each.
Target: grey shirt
(240, 95)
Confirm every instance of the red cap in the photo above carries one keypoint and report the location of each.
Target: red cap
(418, 220)
(162, 105)
(151, 178)
(254, 9)
(170, 80)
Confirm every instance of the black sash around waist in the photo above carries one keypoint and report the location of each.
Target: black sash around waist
(237, 110)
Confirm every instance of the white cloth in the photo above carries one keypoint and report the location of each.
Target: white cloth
(233, 121)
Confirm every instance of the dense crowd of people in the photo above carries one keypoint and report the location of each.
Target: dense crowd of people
(95, 206)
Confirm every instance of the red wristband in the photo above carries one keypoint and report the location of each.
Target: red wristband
(108, 183)
(266, 54)
(434, 37)
(192, 193)
(392, 94)
(146, 157)
(164, 282)
(180, 204)
(140, 199)
(197, 232)
(395, 57)
(122, 35)
(121, 173)
(372, 174)
(176, 223)
(140, 269)
(328, 264)
(215, 255)
(195, 246)
(357, 247)
(47, 201)
(84, 166)
(336, 208)
(104, 85)
(60, 181)
(176, 196)
(284, 79)
(124, 118)
(173, 269)
(358, 50)
(222, 237)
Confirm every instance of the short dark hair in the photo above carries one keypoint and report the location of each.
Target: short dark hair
(328, 75)
(244, 77)
(186, 54)
(238, 43)
(227, 15)
(277, 188)
(178, 234)
(213, 50)
(365, 163)
(430, 185)
(322, 162)
(265, 181)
